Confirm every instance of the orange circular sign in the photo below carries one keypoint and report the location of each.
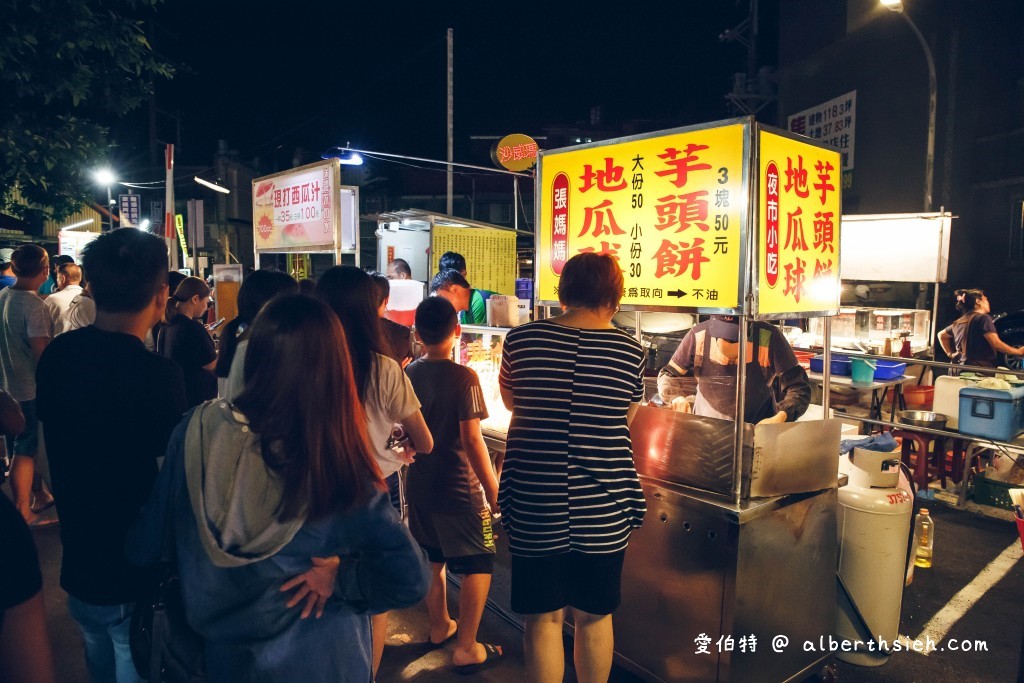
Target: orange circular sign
(515, 152)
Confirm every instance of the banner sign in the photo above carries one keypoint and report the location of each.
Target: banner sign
(833, 123)
(130, 210)
(670, 207)
(179, 224)
(490, 255)
(297, 209)
(798, 226)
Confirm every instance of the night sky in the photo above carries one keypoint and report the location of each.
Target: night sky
(268, 78)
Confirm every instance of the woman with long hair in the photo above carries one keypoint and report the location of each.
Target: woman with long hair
(972, 339)
(383, 388)
(569, 494)
(256, 290)
(260, 489)
(186, 341)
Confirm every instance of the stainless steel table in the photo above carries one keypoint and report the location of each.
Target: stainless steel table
(879, 388)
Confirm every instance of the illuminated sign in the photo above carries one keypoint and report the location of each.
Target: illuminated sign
(798, 226)
(671, 208)
(515, 152)
(297, 209)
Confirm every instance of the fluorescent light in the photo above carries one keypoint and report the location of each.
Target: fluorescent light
(79, 224)
(212, 186)
(894, 5)
(346, 156)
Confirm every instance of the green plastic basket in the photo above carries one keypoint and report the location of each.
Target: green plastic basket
(994, 493)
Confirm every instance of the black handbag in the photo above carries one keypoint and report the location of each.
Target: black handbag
(163, 645)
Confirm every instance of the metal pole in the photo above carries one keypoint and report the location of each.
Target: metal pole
(929, 170)
(110, 212)
(515, 203)
(451, 114)
(740, 423)
(826, 366)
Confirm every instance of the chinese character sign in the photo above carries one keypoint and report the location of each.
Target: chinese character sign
(130, 210)
(671, 209)
(833, 122)
(490, 255)
(296, 209)
(798, 226)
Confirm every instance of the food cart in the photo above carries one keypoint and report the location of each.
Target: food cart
(303, 211)
(733, 570)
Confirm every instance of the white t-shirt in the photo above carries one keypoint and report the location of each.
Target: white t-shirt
(390, 399)
(70, 309)
(23, 316)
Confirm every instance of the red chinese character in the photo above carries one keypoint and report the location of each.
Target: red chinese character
(795, 231)
(824, 170)
(305, 192)
(675, 258)
(822, 268)
(315, 188)
(796, 177)
(824, 232)
(681, 167)
(795, 279)
(296, 195)
(277, 199)
(594, 218)
(691, 208)
(608, 180)
(606, 248)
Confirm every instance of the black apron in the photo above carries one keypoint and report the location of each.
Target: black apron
(716, 385)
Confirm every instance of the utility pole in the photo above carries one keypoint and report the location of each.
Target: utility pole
(451, 114)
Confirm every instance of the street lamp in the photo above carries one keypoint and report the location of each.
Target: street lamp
(105, 176)
(929, 169)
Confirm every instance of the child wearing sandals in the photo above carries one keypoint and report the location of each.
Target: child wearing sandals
(452, 490)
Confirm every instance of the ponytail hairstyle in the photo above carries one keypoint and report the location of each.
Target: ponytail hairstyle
(189, 287)
(257, 289)
(311, 426)
(967, 299)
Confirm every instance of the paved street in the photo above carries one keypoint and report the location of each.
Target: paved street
(966, 543)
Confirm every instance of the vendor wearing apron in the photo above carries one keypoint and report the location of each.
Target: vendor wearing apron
(709, 352)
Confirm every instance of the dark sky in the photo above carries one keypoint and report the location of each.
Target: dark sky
(270, 77)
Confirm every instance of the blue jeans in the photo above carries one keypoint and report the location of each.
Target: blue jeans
(105, 629)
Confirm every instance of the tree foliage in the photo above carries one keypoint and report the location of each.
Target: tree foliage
(68, 70)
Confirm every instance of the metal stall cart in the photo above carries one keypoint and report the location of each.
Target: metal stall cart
(734, 567)
(420, 237)
(305, 210)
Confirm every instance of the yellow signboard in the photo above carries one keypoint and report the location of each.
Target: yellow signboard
(798, 226)
(670, 208)
(490, 255)
(179, 225)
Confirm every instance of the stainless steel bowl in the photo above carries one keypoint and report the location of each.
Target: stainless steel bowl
(922, 418)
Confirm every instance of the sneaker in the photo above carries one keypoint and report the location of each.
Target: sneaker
(43, 499)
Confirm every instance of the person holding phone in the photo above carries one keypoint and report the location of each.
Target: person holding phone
(187, 342)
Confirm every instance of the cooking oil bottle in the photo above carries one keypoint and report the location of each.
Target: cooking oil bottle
(924, 539)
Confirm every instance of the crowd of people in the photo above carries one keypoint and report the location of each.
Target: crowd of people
(270, 469)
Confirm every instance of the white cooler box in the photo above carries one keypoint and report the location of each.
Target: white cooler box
(946, 399)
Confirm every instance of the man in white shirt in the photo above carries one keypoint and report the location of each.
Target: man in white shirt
(70, 307)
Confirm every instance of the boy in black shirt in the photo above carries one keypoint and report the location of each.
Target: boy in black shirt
(452, 489)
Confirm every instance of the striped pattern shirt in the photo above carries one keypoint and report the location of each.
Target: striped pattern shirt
(568, 482)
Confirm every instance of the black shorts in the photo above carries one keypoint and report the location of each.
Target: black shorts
(462, 540)
(590, 582)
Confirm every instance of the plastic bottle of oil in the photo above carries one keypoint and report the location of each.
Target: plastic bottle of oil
(924, 539)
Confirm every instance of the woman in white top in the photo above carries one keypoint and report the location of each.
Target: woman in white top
(387, 395)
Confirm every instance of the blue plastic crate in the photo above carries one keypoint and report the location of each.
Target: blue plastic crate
(839, 365)
(889, 369)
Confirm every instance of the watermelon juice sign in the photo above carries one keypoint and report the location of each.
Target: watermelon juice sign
(297, 209)
(670, 207)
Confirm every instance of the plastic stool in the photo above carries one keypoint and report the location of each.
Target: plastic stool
(923, 467)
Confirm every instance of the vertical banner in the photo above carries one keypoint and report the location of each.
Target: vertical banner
(179, 225)
(130, 210)
(169, 223)
(798, 226)
(670, 207)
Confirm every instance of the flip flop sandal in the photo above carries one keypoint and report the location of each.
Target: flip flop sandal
(438, 646)
(494, 656)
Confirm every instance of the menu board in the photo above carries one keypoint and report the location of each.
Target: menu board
(490, 255)
(297, 209)
(798, 226)
(671, 208)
